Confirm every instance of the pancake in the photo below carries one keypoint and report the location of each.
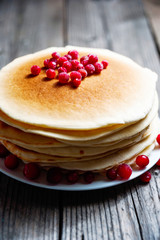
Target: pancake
(100, 101)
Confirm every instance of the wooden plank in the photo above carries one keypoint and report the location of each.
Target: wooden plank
(152, 9)
(27, 212)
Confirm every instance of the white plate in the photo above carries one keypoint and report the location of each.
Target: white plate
(99, 183)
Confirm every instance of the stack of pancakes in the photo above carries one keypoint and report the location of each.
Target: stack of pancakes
(109, 119)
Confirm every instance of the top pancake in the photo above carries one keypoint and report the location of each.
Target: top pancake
(122, 94)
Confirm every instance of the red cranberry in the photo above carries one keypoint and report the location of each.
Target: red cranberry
(89, 177)
(158, 139)
(105, 64)
(3, 151)
(72, 177)
(90, 69)
(35, 70)
(83, 72)
(62, 69)
(50, 73)
(61, 60)
(92, 58)
(142, 161)
(158, 163)
(124, 171)
(84, 60)
(111, 174)
(63, 77)
(52, 65)
(31, 170)
(46, 62)
(74, 54)
(74, 63)
(145, 177)
(11, 161)
(74, 75)
(80, 66)
(55, 55)
(54, 175)
(68, 66)
(53, 60)
(98, 67)
(69, 57)
(76, 82)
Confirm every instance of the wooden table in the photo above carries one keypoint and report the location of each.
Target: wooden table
(130, 211)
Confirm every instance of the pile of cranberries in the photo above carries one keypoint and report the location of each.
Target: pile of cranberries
(69, 63)
(55, 175)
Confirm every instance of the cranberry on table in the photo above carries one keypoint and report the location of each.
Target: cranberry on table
(55, 55)
(52, 65)
(92, 58)
(31, 171)
(124, 171)
(89, 177)
(98, 67)
(35, 70)
(75, 74)
(69, 57)
(105, 64)
(158, 163)
(11, 161)
(84, 60)
(158, 139)
(74, 54)
(90, 69)
(142, 161)
(63, 77)
(76, 82)
(75, 64)
(54, 175)
(72, 177)
(111, 174)
(50, 73)
(3, 151)
(145, 177)
(46, 62)
(67, 65)
(61, 60)
(62, 69)
(83, 72)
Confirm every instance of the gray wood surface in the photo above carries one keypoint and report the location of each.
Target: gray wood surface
(130, 211)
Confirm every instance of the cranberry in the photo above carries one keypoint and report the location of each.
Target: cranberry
(62, 69)
(69, 57)
(74, 63)
(67, 65)
(54, 175)
(72, 177)
(90, 69)
(74, 54)
(80, 66)
(74, 75)
(142, 161)
(84, 60)
(61, 60)
(83, 72)
(3, 151)
(46, 62)
(55, 55)
(158, 163)
(158, 139)
(111, 174)
(92, 58)
(124, 171)
(11, 161)
(31, 170)
(76, 82)
(98, 67)
(89, 177)
(145, 177)
(63, 77)
(52, 65)
(105, 64)
(50, 73)
(35, 70)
